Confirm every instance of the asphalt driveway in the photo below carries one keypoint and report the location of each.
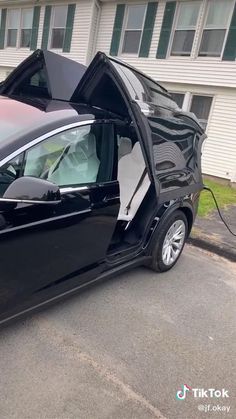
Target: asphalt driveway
(123, 348)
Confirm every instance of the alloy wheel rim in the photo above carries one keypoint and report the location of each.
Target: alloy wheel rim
(173, 242)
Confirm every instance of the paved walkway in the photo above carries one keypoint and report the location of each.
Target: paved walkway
(211, 234)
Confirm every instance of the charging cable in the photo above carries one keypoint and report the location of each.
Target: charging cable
(218, 209)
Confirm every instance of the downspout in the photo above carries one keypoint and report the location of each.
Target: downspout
(92, 44)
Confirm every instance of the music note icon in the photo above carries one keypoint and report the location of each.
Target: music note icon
(181, 394)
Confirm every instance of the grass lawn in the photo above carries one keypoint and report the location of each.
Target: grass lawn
(225, 195)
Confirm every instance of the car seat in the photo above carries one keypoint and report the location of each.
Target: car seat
(77, 165)
(134, 183)
(125, 147)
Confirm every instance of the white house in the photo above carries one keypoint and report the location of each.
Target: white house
(188, 46)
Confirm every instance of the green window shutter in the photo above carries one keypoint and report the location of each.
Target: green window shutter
(117, 28)
(148, 29)
(35, 28)
(46, 26)
(3, 28)
(230, 47)
(166, 29)
(69, 27)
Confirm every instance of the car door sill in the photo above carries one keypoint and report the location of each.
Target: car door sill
(102, 277)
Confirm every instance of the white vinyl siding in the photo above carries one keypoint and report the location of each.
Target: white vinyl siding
(9, 57)
(200, 71)
(94, 25)
(4, 72)
(219, 150)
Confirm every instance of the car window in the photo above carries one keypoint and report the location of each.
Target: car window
(10, 172)
(78, 156)
(126, 138)
(34, 85)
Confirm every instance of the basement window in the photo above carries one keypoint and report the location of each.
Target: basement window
(201, 107)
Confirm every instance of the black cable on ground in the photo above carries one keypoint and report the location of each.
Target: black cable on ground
(218, 209)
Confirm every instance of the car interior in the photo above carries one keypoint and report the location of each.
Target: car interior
(134, 213)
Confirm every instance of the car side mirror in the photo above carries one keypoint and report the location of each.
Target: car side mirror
(31, 190)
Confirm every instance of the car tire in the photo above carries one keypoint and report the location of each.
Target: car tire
(170, 243)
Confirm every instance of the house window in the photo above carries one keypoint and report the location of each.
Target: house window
(58, 28)
(26, 27)
(217, 21)
(19, 27)
(178, 98)
(201, 107)
(13, 25)
(133, 28)
(185, 27)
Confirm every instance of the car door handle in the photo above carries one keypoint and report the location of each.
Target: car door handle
(109, 199)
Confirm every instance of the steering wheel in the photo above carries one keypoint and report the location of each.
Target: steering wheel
(8, 173)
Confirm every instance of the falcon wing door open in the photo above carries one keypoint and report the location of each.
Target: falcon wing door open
(44, 75)
(169, 138)
(111, 85)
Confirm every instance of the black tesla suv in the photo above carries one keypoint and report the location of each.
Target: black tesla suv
(100, 171)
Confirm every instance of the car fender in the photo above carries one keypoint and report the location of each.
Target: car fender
(161, 217)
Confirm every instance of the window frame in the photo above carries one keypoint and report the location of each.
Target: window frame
(192, 95)
(174, 29)
(188, 98)
(124, 29)
(19, 29)
(174, 92)
(53, 27)
(206, 4)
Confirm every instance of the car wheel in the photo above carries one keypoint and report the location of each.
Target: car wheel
(170, 243)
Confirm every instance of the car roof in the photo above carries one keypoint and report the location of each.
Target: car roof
(24, 119)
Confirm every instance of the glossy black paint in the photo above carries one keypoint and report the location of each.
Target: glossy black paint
(57, 85)
(60, 241)
(32, 189)
(54, 246)
(170, 138)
